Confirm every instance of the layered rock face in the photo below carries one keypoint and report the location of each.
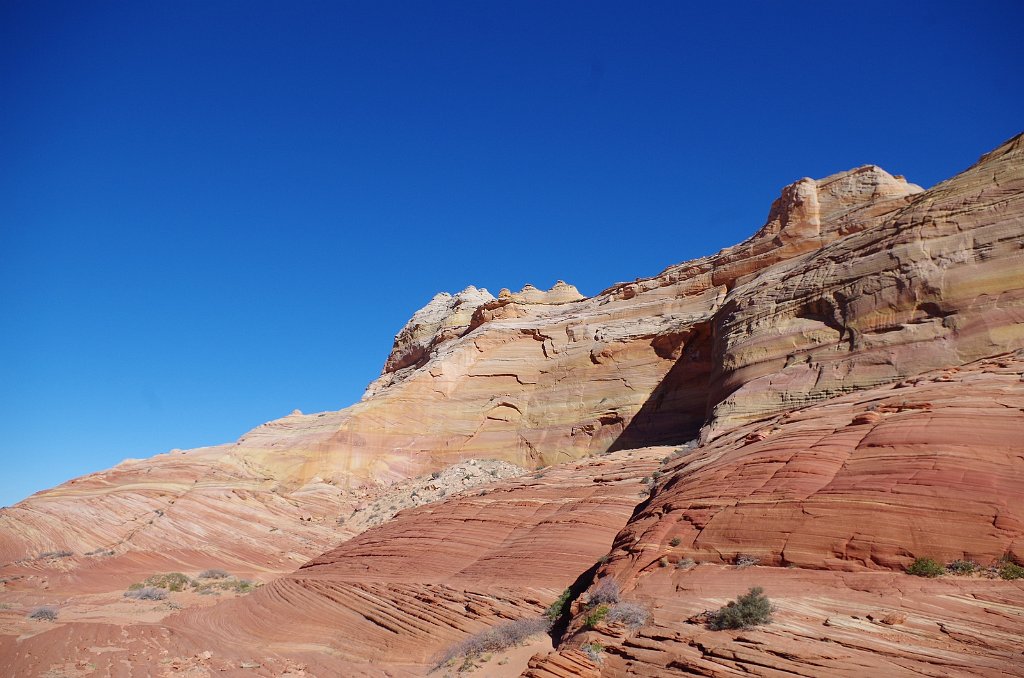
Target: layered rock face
(388, 601)
(936, 283)
(852, 382)
(832, 502)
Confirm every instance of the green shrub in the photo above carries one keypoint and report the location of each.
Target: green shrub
(926, 567)
(963, 567)
(559, 607)
(595, 616)
(675, 541)
(1010, 570)
(750, 609)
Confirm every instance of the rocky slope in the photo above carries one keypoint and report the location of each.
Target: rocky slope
(850, 373)
(833, 502)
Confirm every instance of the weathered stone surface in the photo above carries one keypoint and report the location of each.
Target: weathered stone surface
(930, 467)
(936, 283)
(849, 369)
(824, 624)
(401, 592)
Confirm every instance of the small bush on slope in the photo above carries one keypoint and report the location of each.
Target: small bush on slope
(605, 593)
(146, 593)
(962, 567)
(596, 616)
(559, 607)
(926, 567)
(172, 581)
(751, 609)
(1010, 570)
(213, 574)
(632, 615)
(496, 638)
(45, 613)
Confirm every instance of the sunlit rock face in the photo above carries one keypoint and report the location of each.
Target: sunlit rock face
(849, 380)
(933, 283)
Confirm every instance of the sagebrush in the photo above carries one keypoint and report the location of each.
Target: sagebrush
(496, 638)
(44, 613)
(146, 593)
(632, 615)
(606, 592)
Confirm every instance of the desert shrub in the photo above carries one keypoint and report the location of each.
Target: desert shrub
(685, 563)
(962, 567)
(559, 607)
(172, 581)
(750, 609)
(241, 586)
(496, 638)
(596, 616)
(146, 593)
(675, 541)
(663, 561)
(1009, 570)
(213, 574)
(605, 593)
(926, 567)
(435, 475)
(632, 615)
(55, 554)
(744, 560)
(593, 650)
(44, 613)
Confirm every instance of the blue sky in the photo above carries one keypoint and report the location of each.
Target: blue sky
(212, 213)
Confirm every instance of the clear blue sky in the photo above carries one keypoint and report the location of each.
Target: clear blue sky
(212, 213)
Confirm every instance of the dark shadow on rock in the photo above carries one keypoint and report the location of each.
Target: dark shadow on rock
(676, 409)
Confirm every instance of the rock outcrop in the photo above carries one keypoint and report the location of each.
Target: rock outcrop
(849, 383)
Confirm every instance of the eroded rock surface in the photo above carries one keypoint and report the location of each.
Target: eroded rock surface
(851, 372)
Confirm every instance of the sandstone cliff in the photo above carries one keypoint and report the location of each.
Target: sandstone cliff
(850, 375)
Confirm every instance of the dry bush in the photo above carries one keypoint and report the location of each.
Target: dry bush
(605, 593)
(55, 554)
(744, 560)
(593, 651)
(213, 574)
(496, 638)
(632, 615)
(44, 613)
(146, 593)
(963, 567)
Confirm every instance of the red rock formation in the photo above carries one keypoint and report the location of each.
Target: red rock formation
(851, 371)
